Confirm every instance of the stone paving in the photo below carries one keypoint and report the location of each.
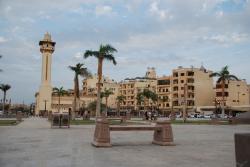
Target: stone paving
(34, 144)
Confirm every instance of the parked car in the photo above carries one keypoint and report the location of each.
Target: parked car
(207, 116)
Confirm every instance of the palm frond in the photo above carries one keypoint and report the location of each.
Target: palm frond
(89, 53)
(110, 57)
(232, 77)
(5, 87)
(215, 74)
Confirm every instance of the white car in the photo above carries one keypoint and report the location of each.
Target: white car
(207, 116)
(1, 112)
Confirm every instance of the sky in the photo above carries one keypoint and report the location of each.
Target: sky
(147, 33)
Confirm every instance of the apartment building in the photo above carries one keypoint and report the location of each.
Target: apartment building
(164, 92)
(130, 87)
(90, 89)
(236, 93)
(193, 86)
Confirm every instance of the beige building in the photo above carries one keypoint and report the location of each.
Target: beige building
(236, 93)
(164, 92)
(131, 87)
(193, 85)
(90, 89)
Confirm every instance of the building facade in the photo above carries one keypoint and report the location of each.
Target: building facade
(192, 86)
(90, 89)
(164, 92)
(236, 93)
(130, 87)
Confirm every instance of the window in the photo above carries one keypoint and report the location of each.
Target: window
(219, 94)
(182, 81)
(163, 82)
(190, 73)
(175, 81)
(182, 74)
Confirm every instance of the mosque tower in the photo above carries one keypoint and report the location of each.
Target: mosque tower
(47, 47)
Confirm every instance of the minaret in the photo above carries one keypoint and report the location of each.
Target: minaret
(47, 47)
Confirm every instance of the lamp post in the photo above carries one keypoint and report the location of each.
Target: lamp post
(45, 105)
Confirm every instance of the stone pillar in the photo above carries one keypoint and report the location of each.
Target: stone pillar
(163, 135)
(102, 133)
(242, 149)
(19, 116)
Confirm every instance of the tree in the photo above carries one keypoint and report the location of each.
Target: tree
(105, 52)
(146, 94)
(4, 88)
(120, 99)
(223, 76)
(79, 70)
(106, 94)
(92, 106)
(59, 92)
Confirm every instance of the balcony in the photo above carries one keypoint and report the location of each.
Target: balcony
(175, 81)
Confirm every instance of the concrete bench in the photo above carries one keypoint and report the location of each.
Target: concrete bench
(122, 119)
(163, 134)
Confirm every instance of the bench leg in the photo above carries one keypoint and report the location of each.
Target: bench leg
(102, 133)
(163, 137)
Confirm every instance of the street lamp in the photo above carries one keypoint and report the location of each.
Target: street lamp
(45, 105)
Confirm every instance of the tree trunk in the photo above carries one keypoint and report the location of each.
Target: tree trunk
(98, 101)
(76, 97)
(59, 103)
(118, 109)
(4, 98)
(223, 99)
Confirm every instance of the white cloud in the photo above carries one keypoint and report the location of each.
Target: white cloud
(3, 40)
(27, 20)
(162, 14)
(8, 9)
(78, 56)
(103, 10)
(227, 38)
(219, 14)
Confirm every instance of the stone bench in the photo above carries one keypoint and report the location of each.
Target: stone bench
(163, 134)
(122, 119)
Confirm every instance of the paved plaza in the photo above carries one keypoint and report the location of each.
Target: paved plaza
(34, 144)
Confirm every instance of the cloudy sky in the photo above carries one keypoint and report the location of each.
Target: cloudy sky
(147, 33)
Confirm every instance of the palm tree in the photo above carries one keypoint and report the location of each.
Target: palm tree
(105, 52)
(79, 70)
(146, 94)
(120, 99)
(223, 76)
(59, 92)
(106, 94)
(4, 88)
